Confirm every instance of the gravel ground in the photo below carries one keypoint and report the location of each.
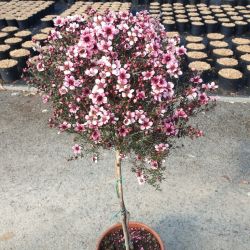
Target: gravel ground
(50, 203)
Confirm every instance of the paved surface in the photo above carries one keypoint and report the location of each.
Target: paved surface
(48, 203)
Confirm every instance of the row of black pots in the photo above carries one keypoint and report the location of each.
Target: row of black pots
(29, 21)
(203, 15)
(206, 28)
(184, 2)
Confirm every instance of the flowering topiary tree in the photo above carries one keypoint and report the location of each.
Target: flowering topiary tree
(118, 82)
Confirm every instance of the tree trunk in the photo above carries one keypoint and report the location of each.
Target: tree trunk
(124, 212)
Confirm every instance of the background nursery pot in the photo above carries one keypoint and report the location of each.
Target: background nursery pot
(132, 224)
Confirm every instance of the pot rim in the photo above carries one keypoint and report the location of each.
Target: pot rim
(131, 224)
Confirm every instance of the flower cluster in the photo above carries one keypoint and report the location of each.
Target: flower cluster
(118, 81)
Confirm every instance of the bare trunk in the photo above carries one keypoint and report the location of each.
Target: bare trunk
(124, 212)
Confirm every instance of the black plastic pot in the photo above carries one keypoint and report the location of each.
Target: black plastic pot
(11, 22)
(219, 66)
(23, 23)
(16, 45)
(229, 84)
(207, 2)
(227, 30)
(192, 59)
(182, 26)
(169, 25)
(243, 62)
(194, 2)
(211, 27)
(197, 28)
(25, 38)
(231, 2)
(196, 47)
(10, 32)
(247, 76)
(21, 62)
(217, 56)
(5, 54)
(239, 53)
(241, 28)
(3, 37)
(10, 74)
(206, 74)
(3, 22)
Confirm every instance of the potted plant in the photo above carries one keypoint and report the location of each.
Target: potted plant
(116, 80)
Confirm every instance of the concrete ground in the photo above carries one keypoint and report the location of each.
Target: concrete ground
(48, 203)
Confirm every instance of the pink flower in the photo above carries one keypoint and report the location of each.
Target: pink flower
(73, 108)
(161, 147)
(98, 98)
(196, 79)
(213, 86)
(59, 21)
(77, 149)
(154, 164)
(140, 177)
(70, 82)
(64, 126)
(96, 135)
(63, 90)
(180, 113)
(40, 66)
(123, 131)
(169, 128)
(79, 127)
(147, 75)
(203, 98)
(146, 124)
(181, 51)
(45, 98)
(123, 76)
(109, 31)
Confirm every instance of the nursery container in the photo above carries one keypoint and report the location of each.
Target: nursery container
(231, 2)
(14, 42)
(215, 36)
(40, 37)
(4, 51)
(226, 62)
(211, 26)
(217, 45)
(21, 55)
(10, 30)
(8, 70)
(24, 34)
(135, 225)
(240, 27)
(194, 39)
(242, 49)
(219, 53)
(197, 28)
(169, 25)
(23, 22)
(3, 36)
(182, 25)
(46, 30)
(3, 22)
(202, 67)
(196, 56)
(244, 60)
(196, 47)
(230, 79)
(11, 21)
(247, 75)
(227, 29)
